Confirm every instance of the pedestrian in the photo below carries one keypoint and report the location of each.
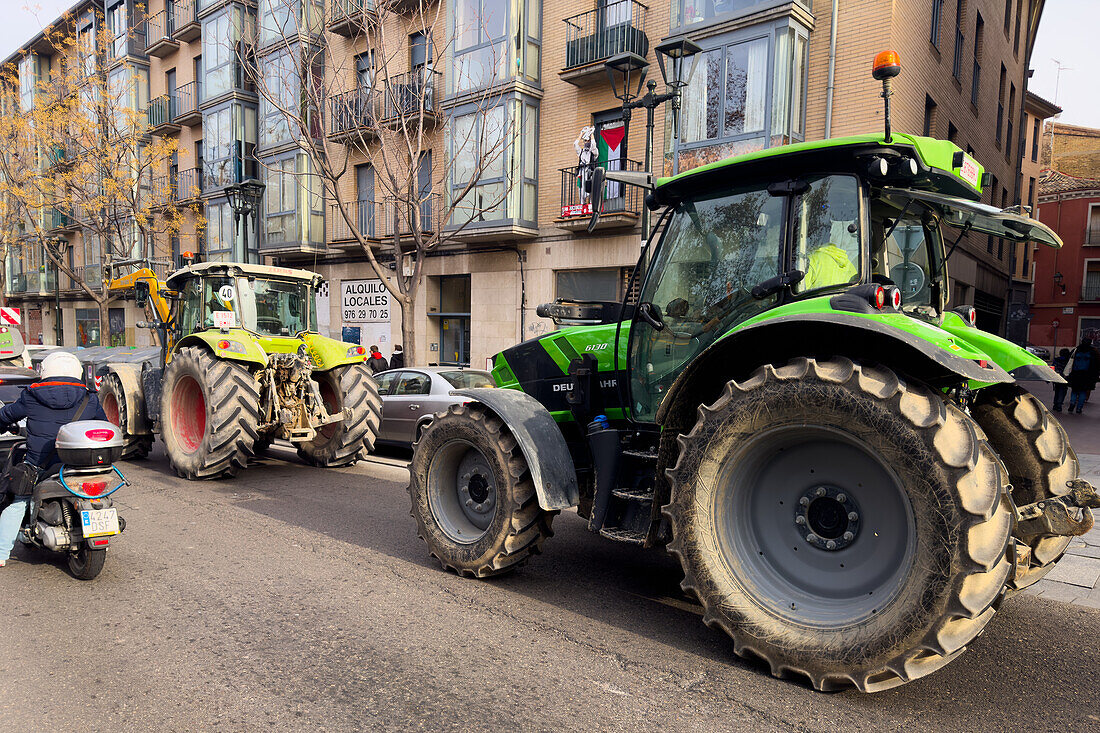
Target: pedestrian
(1080, 368)
(1060, 390)
(397, 358)
(1095, 376)
(59, 398)
(377, 362)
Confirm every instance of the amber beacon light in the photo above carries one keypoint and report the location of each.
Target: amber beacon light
(887, 65)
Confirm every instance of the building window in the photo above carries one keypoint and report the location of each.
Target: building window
(1001, 103)
(293, 209)
(1092, 236)
(481, 48)
(87, 327)
(1091, 286)
(937, 14)
(975, 82)
(285, 18)
(929, 116)
(282, 82)
(1031, 197)
(30, 75)
(594, 284)
(229, 144)
(454, 319)
(1035, 135)
(1010, 141)
(688, 12)
(495, 162)
(1016, 34)
(952, 131)
(222, 47)
(86, 44)
(956, 69)
(116, 28)
(128, 93)
(1008, 17)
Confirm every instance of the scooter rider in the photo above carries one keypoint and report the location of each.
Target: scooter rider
(58, 399)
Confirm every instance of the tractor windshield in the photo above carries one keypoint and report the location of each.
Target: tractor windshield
(715, 249)
(907, 251)
(275, 307)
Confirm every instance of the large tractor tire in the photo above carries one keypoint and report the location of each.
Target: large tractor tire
(1036, 451)
(209, 412)
(472, 495)
(113, 399)
(840, 524)
(343, 443)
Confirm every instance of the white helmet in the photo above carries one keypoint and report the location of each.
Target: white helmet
(61, 364)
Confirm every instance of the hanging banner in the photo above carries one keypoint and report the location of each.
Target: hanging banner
(323, 315)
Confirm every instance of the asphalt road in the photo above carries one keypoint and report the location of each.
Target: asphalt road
(293, 598)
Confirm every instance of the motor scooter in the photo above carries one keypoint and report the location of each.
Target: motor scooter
(71, 510)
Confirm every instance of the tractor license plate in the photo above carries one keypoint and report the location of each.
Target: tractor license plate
(99, 522)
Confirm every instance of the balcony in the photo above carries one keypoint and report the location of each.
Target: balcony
(160, 117)
(1091, 290)
(158, 34)
(622, 204)
(187, 185)
(395, 217)
(411, 93)
(18, 284)
(361, 212)
(57, 220)
(185, 20)
(348, 17)
(596, 35)
(186, 110)
(60, 154)
(355, 116)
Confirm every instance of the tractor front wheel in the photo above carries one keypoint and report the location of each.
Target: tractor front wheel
(840, 523)
(1036, 451)
(345, 442)
(472, 495)
(113, 399)
(209, 412)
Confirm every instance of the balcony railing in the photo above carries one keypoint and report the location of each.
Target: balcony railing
(408, 93)
(356, 111)
(396, 216)
(363, 213)
(187, 104)
(161, 112)
(364, 111)
(610, 29)
(185, 19)
(56, 219)
(188, 185)
(158, 33)
(347, 17)
(618, 197)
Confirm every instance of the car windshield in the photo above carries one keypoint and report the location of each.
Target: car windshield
(275, 307)
(468, 379)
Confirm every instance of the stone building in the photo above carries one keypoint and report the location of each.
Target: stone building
(768, 75)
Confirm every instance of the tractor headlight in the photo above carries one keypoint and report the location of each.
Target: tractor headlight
(233, 347)
(357, 351)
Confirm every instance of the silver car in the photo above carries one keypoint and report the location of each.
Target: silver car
(411, 396)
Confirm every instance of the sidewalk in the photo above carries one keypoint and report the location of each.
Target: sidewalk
(1076, 577)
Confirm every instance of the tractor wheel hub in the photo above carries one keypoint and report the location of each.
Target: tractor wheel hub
(827, 518)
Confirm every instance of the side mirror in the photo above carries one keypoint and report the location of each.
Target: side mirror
(596, 195)
(141, 293)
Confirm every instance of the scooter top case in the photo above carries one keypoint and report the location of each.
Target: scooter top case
(89, 443)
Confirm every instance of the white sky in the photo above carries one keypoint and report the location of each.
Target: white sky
(1067, 32)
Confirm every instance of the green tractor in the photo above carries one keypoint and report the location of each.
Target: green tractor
(241, 365)
(851, 474)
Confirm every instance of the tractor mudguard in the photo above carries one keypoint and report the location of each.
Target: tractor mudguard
(777, 340)
(242, 345)
(137, 421)
(1017, 361)
(539, 438)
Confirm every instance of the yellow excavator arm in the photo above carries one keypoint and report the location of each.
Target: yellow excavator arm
(158, 301)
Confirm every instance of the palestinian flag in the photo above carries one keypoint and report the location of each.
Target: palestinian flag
(611, 141)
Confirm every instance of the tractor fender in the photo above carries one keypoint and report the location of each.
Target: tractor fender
(243, 346)
(820, 335)
(539, 438)
(129, 375)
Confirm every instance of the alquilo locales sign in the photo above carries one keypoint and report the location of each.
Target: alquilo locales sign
(364, 301)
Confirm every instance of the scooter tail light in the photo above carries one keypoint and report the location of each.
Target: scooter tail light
(93, 488)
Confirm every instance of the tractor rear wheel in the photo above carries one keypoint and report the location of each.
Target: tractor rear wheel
(345, 442)
(472, 495)
(209, 412)
(113, 399)
(840, 523)
(1036, 451)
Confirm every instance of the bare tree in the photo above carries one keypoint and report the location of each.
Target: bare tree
(372, 100)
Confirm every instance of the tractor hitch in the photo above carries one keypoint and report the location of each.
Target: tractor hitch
(1054, 517)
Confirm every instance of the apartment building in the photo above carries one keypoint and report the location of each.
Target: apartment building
(766, 77)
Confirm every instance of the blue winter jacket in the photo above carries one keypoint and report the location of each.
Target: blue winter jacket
(47, 406)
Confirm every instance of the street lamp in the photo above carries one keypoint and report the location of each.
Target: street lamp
(57, 244)
(1058, 282)
(630, 69)
(244, 199)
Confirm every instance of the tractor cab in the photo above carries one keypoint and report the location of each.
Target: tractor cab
(268, 302)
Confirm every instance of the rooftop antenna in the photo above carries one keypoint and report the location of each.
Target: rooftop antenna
(887, 65)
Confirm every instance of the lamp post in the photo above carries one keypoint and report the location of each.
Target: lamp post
(627, 72)
(58, 244)
(244, 199)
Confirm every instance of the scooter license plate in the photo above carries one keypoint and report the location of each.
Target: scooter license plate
(99, 522)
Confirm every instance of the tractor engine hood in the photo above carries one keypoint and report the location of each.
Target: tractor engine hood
(973, 216)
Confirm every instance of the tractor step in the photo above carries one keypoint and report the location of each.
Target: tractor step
(640, 455)
(624, 535)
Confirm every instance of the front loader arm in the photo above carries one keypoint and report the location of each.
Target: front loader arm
(127, 282)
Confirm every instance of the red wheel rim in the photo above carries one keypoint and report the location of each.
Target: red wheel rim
(110, 407)
(188, 414)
